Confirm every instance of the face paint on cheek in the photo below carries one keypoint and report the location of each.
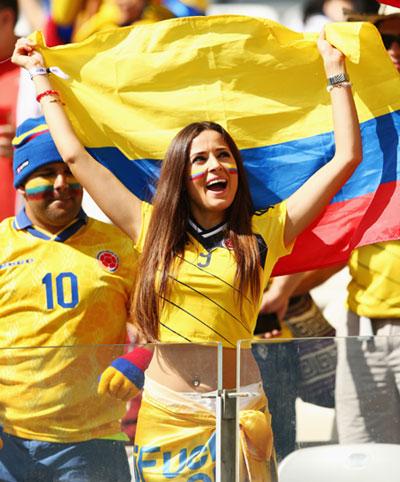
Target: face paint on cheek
(232, 169)
(197, 173)
(76, 189)
(74, 186)
(39, 188)
(43, 187)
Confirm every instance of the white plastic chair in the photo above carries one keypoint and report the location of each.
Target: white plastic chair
(342, 463)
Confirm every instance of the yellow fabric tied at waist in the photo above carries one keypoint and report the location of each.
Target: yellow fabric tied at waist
(256, 441)
(178, 440)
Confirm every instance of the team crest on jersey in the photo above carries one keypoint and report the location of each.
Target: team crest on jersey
(108, 260)
(227, 243)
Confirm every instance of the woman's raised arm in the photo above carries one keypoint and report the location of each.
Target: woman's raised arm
(304, 205)
(108, 192)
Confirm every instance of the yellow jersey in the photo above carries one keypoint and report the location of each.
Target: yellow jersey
(63, 298)
(203, 305)
(374, 289)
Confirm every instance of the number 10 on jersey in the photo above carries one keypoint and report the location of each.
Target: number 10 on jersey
(66, 288)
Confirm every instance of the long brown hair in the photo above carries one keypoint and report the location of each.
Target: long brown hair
(167, 232)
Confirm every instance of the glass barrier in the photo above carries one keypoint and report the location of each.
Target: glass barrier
(335, 405)
(57, 426)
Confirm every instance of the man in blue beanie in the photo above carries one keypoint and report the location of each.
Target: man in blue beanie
(65, 281)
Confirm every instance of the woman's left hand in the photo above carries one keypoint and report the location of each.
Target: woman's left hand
(334, 59)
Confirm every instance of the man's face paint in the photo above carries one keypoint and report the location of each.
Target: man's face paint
(53, 197)
(42, 187)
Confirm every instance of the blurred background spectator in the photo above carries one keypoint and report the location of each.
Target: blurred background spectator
(66, 21)
(17, 102)
(76, 19)
(316, 13)
(299, 15)
(9, 77)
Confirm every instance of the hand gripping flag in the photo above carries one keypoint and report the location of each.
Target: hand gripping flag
(131, 90)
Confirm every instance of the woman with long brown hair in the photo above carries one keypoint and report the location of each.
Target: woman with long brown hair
(206, 258)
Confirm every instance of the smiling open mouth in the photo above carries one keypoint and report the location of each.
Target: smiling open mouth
(217, 185)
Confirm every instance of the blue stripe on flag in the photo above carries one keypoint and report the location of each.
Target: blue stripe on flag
(276, 171)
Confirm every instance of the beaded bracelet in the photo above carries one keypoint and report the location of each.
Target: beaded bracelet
(40, 96)
(329, 88)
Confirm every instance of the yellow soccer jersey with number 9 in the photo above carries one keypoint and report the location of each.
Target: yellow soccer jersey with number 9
(203, 306)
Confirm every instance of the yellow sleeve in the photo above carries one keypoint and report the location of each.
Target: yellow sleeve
(270, 224)
(147, 211)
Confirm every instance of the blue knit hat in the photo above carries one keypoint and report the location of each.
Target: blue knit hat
(33, 148)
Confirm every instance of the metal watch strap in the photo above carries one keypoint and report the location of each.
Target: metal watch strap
(338, 79)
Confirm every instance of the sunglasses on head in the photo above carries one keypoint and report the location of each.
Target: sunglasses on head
(389, 38)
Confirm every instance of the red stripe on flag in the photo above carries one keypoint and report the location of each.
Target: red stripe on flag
(393, 3)
(342, 228)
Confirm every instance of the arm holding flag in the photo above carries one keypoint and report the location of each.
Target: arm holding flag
(108, 192)
(305, 204)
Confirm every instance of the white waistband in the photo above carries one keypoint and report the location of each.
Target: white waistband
(193, 401)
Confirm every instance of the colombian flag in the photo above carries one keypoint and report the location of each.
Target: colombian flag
(130, 91)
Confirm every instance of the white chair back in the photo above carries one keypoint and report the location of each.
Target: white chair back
(342, 463)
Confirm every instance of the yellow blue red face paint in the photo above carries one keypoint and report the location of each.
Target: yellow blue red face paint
(199, 172)
(41, 187)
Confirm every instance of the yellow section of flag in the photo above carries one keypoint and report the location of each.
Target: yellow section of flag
(134, 88)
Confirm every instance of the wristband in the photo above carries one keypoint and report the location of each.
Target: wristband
(133, 365)
(38, 71)
(46, 71)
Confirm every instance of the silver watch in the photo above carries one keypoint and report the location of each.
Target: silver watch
(338, 79)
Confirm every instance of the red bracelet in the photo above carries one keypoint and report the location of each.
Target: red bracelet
(47, 92)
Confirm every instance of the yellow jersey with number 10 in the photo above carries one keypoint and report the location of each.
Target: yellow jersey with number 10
(70, 290)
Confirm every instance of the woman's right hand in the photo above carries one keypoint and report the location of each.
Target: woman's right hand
(26, 56)
(106, 189)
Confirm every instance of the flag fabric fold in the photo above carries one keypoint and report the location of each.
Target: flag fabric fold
(131, 90)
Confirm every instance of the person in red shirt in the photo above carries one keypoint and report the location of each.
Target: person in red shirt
(9, 82)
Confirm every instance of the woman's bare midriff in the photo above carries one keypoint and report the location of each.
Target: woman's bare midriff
(191, 367)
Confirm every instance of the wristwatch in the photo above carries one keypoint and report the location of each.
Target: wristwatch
(338, 79)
